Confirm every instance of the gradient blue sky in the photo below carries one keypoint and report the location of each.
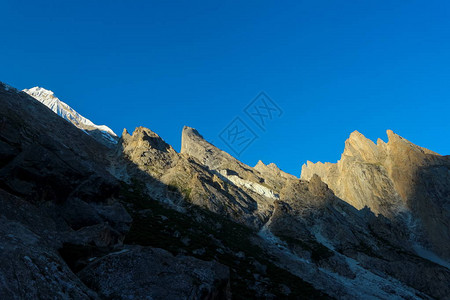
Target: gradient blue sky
(332, 66)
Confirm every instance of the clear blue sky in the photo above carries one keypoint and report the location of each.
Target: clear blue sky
(332, 66)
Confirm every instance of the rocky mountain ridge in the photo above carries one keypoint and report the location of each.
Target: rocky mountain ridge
(83, 220)
(396, 179)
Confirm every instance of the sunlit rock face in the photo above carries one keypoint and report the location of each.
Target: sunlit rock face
(272, 173)
(190, 181)
(395, 179)
(359, 177)
(264, 180)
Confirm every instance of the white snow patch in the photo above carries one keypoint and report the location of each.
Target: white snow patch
(253, 186)
(430, 255)
(109, 137)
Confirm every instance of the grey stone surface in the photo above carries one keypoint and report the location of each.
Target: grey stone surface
(151, 273)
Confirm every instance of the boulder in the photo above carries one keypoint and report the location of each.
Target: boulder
(150, 273)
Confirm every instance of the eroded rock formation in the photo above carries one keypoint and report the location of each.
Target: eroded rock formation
(396, 179)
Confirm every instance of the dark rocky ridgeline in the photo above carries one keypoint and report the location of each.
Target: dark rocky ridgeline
(80, 220)
(71, 228)
(60, 212)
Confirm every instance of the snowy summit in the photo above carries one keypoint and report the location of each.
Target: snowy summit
(62, 109)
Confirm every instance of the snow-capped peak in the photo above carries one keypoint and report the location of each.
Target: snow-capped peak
(49, 99)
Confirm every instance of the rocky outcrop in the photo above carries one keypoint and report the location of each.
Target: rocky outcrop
(31, 269)
(396, 179)
(194, 145)
(274, 174)
(181, 179)
(319, 227)
(148, 151)
(359, 177)
(264, 189)
(151, 273)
